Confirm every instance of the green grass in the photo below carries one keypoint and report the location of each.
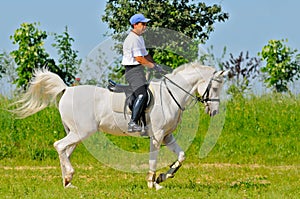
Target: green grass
(259, 130)
(194, 180)
(256, 156)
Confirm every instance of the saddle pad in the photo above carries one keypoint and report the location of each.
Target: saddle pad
(120, 121)
(117, 102)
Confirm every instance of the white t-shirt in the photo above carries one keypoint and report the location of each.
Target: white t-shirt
(133, 46)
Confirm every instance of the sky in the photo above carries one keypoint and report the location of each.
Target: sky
(253, 23)
(250, 26)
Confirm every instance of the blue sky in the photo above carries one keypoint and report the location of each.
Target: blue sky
(251, 24)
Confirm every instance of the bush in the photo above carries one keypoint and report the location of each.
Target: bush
(259, 129)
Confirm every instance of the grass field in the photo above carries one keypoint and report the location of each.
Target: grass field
(256, 156)
(194, 180)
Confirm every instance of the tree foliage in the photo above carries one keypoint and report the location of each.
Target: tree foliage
(68, 58)
(3, 63)
(31, 54)
(190, 22)
(7, 66)
(282, 65)
(7, 73)
(195, 20)
(242, 69)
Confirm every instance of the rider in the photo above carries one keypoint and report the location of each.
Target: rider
(135, 58)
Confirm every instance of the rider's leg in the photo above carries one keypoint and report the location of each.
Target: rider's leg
(137, 109)
(135, 76)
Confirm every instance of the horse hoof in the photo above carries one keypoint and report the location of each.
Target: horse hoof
(150, 184)
(150, 179)
(161, 178)
(70, 186)
(157, 186)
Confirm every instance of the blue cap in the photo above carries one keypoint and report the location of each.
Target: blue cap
(138, 18)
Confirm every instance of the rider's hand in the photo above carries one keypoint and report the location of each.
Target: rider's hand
(158, 69)
(159, 72)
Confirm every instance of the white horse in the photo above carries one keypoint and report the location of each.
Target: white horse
(87, 109)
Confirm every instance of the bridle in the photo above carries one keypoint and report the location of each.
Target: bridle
(203, 99)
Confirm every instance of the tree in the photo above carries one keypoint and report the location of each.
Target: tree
(282, 65)
(193, 20)
(242, 70)
(3, 62)
(7, 66)
(31, 53)
(188, 19)
(7, 71)
(68, 58)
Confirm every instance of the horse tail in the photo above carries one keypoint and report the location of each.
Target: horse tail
(43, 90)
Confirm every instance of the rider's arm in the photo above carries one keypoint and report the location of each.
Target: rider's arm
(146, 61)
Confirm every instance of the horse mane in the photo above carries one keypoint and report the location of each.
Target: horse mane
(192, 65)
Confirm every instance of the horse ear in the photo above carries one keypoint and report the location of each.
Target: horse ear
(222, 73)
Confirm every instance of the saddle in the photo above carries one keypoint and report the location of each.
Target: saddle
(122, 102)
(121, 88)
(118, 88)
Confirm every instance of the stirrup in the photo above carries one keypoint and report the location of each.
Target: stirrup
(133, 127)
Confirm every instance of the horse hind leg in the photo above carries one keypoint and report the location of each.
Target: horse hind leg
(69, 172)
(66, 167)
(65, 147)
(64, 156)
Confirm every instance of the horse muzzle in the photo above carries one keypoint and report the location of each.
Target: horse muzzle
(210, 112)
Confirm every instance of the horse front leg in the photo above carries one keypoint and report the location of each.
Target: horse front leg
(172, 145)
(151, 176)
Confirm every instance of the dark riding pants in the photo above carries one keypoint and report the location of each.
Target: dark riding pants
(136, 78)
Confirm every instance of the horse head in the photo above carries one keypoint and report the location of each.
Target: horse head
(210, 92)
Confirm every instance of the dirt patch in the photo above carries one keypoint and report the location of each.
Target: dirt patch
(251, 166)
(188, 165)
(39, 167)
(28, 167)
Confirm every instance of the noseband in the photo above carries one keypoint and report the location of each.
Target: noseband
(203, 99)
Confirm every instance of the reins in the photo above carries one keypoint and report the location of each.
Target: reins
(203, 99)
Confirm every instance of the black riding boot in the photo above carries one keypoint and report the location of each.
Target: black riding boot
(137, 109)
